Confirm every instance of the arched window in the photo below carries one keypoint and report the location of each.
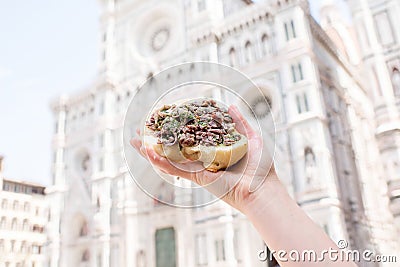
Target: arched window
(12, 245)
(3, 223)
(14, 224)
(26, 206)
(248, 52)
(15, 205)
(36, 249)
(302, 103)
(23, 247)
(265, 45)
(85, 256)
(25, 225)
(4, 204)
(396, 81)
(232, 57)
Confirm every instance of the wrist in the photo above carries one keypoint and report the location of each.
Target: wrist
(269, 194)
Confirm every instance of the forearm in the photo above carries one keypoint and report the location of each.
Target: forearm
(284, 226)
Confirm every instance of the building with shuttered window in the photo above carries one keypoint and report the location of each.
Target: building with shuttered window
(23, 217)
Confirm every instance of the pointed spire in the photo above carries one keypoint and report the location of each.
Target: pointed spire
(329, 13)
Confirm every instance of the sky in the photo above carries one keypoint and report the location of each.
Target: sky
(47, 48)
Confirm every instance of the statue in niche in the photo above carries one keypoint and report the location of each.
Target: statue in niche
(141, 258)
(396, 81)
(310, 168)
(98, 203)
(85, 164)
(84, 230)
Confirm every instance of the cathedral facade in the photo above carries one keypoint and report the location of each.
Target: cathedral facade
(337, 146)
(380, 54)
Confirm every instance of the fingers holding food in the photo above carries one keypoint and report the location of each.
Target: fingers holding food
(198, 130)
(242, 125)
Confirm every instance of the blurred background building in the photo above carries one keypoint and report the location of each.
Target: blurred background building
(375, 23)
(334, 93)
(23, 217)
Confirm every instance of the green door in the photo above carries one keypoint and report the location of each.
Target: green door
(165, 247)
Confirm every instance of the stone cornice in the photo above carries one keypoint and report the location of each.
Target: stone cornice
(65, 101)
(233, 24)
(242, 20)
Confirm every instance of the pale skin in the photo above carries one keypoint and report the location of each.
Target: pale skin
(282, 224)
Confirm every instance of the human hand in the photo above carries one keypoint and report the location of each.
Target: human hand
(240, 184)
(252, 186)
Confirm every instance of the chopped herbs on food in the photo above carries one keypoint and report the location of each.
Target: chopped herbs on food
(192, 124)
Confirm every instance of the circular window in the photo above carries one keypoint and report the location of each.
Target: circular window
(261, 106)
(155, 32)
(159, 39)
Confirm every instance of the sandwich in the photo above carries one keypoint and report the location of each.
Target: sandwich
(196, 130)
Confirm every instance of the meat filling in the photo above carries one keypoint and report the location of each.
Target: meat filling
(192, 124)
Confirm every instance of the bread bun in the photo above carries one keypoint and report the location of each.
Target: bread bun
(218, 157)
(172, 152)
(216, 146)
